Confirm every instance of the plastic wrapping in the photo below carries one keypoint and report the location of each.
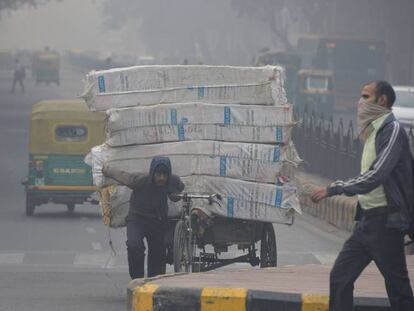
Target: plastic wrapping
(254, 162)
(198, 113)
(239, 199)
(149, 85)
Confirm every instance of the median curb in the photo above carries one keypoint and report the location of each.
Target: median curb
(144, 296)
(337, 210)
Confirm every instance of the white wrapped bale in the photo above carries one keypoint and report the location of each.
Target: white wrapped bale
(245, 200)
(187, 132)
(198, 113)
(114, 203)
(149, 85)
(182, 122)
(240, 199)
(254, 162)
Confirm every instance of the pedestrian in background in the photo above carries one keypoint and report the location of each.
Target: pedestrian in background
(19, 75)
(385, 199)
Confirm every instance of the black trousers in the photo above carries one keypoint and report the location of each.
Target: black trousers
(371, 240)
(17, 80)
(153, 230)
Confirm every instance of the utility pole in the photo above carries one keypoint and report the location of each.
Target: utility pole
(411, 54)
(334, 5)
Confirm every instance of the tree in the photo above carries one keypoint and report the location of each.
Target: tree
(280, 14)
(201, 31)
(16, 4)
(268, 11)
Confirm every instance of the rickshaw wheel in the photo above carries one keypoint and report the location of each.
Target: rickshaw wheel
(180, 248)
(70, 207)
(30, 207)
(268, 250)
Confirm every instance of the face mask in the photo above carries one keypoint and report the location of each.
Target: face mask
(368, 111)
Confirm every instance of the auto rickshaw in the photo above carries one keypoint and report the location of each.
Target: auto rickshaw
(315, 91)
(46, 66)
(62, 132)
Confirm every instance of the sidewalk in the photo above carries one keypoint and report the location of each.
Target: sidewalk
(289, 288)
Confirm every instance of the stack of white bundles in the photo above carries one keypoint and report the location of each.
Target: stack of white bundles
(226, 130)
(252, 162)
(199, 121)
(149, 85)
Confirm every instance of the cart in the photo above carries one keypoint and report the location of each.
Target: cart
(195, 230)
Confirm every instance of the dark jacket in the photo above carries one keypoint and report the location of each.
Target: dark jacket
(148, 199)
(392, 168)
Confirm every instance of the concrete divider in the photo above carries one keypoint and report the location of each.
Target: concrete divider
(154, 297)
(337, 210)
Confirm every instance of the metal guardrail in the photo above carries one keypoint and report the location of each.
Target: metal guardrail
(330, 149)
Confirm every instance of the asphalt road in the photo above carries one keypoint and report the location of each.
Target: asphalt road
(60, 261)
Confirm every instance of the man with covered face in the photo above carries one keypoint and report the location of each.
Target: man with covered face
(147, 214)
(385, 199)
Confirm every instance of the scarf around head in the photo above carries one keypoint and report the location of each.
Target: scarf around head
(367, 113)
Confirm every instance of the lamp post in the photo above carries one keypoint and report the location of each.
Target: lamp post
(411, 54)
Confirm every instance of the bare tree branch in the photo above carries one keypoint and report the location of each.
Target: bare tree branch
(17, 4)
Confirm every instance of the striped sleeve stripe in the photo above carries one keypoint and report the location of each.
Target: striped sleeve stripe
(381, 161)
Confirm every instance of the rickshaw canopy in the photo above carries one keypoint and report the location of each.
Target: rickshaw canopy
(65, 127)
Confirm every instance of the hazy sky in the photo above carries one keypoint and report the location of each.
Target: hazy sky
(80, 25)
(73, 24)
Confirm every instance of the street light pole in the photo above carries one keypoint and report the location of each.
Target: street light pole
(411, 55)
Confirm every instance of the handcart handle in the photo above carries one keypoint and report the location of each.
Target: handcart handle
(190, 196)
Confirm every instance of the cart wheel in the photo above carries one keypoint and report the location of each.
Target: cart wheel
(180, 248)
(70, 207)
(268, 250)
(30, 207)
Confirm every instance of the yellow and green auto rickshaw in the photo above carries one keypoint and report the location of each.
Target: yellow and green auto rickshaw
(46, 67)
(315, 91)
(62, 132)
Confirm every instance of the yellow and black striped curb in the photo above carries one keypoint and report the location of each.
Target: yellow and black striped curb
(153, 297)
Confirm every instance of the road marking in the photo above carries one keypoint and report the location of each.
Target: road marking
(109, 260)
(78, 260)
(11, 258)
(84, 259)
(96, 246)
(91, 230)
(16, 130)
